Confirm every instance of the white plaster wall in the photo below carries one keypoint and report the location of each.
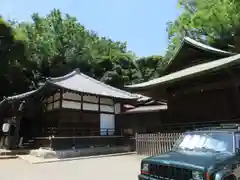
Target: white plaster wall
(117, 108)
(56, 104)
(88, 98)
(91, 107)
(106, 108)
(71, 104)
(106, 101)
(70, 95)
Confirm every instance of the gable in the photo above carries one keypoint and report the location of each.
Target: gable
(192, 53)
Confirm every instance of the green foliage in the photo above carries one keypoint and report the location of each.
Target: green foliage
(13, 76)
(56, 44)
(215, 22)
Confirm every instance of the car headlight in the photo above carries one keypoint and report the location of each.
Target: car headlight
(145, 168)
(197, 175)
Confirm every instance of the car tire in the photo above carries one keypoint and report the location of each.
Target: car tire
(231, 177)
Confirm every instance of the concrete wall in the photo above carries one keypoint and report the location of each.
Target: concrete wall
(82, 142)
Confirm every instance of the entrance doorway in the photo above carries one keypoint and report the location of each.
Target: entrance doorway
(107, 124)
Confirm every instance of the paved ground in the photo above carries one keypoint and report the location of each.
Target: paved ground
(124, 167)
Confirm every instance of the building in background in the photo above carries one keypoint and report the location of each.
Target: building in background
(200, 86)
(66, 109)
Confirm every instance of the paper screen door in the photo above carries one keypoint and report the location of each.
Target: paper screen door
(107, 122)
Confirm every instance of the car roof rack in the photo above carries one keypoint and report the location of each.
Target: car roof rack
(220, 127)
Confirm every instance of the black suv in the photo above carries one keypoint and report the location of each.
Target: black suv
(204, 154)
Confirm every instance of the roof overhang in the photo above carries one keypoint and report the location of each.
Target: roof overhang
(147, 109)
(79, 82)
(53, 84)
(186, 47)
(187, 73)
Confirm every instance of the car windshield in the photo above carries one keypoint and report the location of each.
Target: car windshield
(217, 141)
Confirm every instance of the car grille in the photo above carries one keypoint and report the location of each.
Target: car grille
(168, 172)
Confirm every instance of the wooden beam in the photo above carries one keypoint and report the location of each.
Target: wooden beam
(99, 104)
(53, 100)
(61, 97)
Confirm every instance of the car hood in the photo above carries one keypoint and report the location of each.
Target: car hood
(190, 159)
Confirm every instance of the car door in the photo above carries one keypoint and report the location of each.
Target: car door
(236, 160)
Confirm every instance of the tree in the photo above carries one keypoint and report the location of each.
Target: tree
(57, 44)
(13, 63)
(150, 67)
(214, 22)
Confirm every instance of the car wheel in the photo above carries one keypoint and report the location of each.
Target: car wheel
(231, 177)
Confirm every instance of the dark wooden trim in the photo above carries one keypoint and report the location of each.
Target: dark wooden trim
(53, 100)
(81, 137)
(84, 93)
(79, 110)
(88, 103)
(81, 101)
(81, 114)
(99, 104)
(114, 109)
(61, 97)
(65, 99)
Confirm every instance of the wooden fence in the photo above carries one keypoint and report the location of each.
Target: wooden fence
(153, 144)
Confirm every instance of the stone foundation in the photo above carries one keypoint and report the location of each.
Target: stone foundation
(60, 154)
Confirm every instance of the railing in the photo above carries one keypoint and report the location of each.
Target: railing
(70, 132)
(154, 144)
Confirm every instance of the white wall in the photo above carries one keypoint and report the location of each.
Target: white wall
(70, 95)
(91, 107)
(92, 99)
(117, 108)
(106, 108)
(71, 104)
(90, 102)
(106, 101)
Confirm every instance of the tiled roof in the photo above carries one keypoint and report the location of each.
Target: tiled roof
(190, 72)
(186, 42)
(77, 81)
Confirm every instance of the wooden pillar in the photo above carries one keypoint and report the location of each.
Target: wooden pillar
(99, 111)
(61, 98)
(81, 114)
(99, 104)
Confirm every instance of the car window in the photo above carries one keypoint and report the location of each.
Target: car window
(215, 141)
(237, 140)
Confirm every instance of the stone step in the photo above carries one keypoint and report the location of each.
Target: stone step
(8, 157)
(15, 152)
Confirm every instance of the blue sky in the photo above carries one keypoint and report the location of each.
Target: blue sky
(142, 23)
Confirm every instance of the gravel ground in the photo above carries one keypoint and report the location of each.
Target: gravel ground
(106, 168)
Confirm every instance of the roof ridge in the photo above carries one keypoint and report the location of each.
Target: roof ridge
(66, 76)
(78, 72)
(205, 46)
(106, 85)
(197, 44)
